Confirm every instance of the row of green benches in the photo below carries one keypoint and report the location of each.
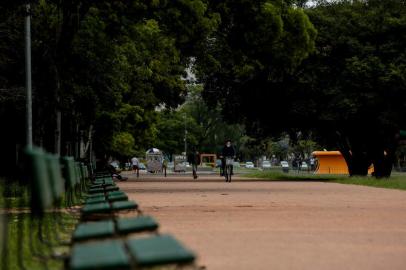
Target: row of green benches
(103, 238)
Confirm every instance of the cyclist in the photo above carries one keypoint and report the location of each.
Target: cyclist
(228, 151)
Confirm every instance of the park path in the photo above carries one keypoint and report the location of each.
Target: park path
(251, 224)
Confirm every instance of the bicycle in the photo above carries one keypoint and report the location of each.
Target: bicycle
(228, 169)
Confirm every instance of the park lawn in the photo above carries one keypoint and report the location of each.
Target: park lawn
(397, 181)
(17, 197)
(20, 222)
(13, 196)
(16, 204)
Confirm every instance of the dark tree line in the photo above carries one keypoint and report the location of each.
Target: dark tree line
(348, 85)
(102, 68)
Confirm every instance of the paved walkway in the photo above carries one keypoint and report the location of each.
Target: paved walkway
(250, 224)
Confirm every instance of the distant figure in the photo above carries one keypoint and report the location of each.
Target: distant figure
(164, 165)
(227, 151)
(299, 163)
(219, 164)
(312, 164)
(274, 161)
(114, 173)
(136, 165)
(194, 160)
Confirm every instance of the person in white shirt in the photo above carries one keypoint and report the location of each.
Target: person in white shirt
(312, 164)
(136, 166)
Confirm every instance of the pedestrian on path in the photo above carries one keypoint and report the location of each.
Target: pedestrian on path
(194, 160)
(164, 165)
(136, 165)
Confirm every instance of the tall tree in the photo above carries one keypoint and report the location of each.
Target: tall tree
(105, 65)
(257, 45)
(357, 80)
(205, 127)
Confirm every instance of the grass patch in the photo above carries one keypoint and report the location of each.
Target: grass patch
(397, 181)
(20, 226)
(394, 182)
(16, 227)
(13, 195)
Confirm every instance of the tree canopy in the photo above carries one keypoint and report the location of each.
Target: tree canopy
(267, 68)
(206, 130)
(112, 74)
(99, 67)
(357, 80)
(250, 56)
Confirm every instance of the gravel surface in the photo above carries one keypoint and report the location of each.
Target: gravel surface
(254, 224)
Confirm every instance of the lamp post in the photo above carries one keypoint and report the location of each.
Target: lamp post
(28, 83)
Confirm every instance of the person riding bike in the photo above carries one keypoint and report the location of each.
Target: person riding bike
(228, 151)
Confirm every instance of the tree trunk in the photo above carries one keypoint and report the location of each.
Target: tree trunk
(84, 146)
(375, 146)
(384, 158)
(354, 153)
(357, 162)
(383, 167)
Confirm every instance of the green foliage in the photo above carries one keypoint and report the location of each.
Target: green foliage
(247, 61)
(356, 79)
(360, 59)
(205, 127)
(106, 65)
(123, 144)
(281, 147)
(30, 226)
(306, 147)
(267, 68)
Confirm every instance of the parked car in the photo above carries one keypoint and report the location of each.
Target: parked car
(249, 165)
(285, 166)
(186, 164)
(141, 166)
(236, 164)
(304, 166)
(170, 165)
(266, 164)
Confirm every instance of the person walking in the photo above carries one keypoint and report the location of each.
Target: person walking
(194, 160)
(312, 164)
(164, 165)
(136, 165)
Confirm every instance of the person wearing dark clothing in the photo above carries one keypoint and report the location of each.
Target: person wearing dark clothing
(164, 165)
(194, 160)
(115, 173)
(227, 151)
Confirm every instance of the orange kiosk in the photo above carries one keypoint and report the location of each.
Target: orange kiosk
(332, 162)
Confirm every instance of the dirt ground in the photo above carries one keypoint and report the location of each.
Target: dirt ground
(253, 224)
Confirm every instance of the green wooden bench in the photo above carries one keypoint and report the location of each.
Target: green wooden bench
(49, 187)
(112, 228)
(96, 209)
(47, 191)
(130, 254)
(49, 181)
